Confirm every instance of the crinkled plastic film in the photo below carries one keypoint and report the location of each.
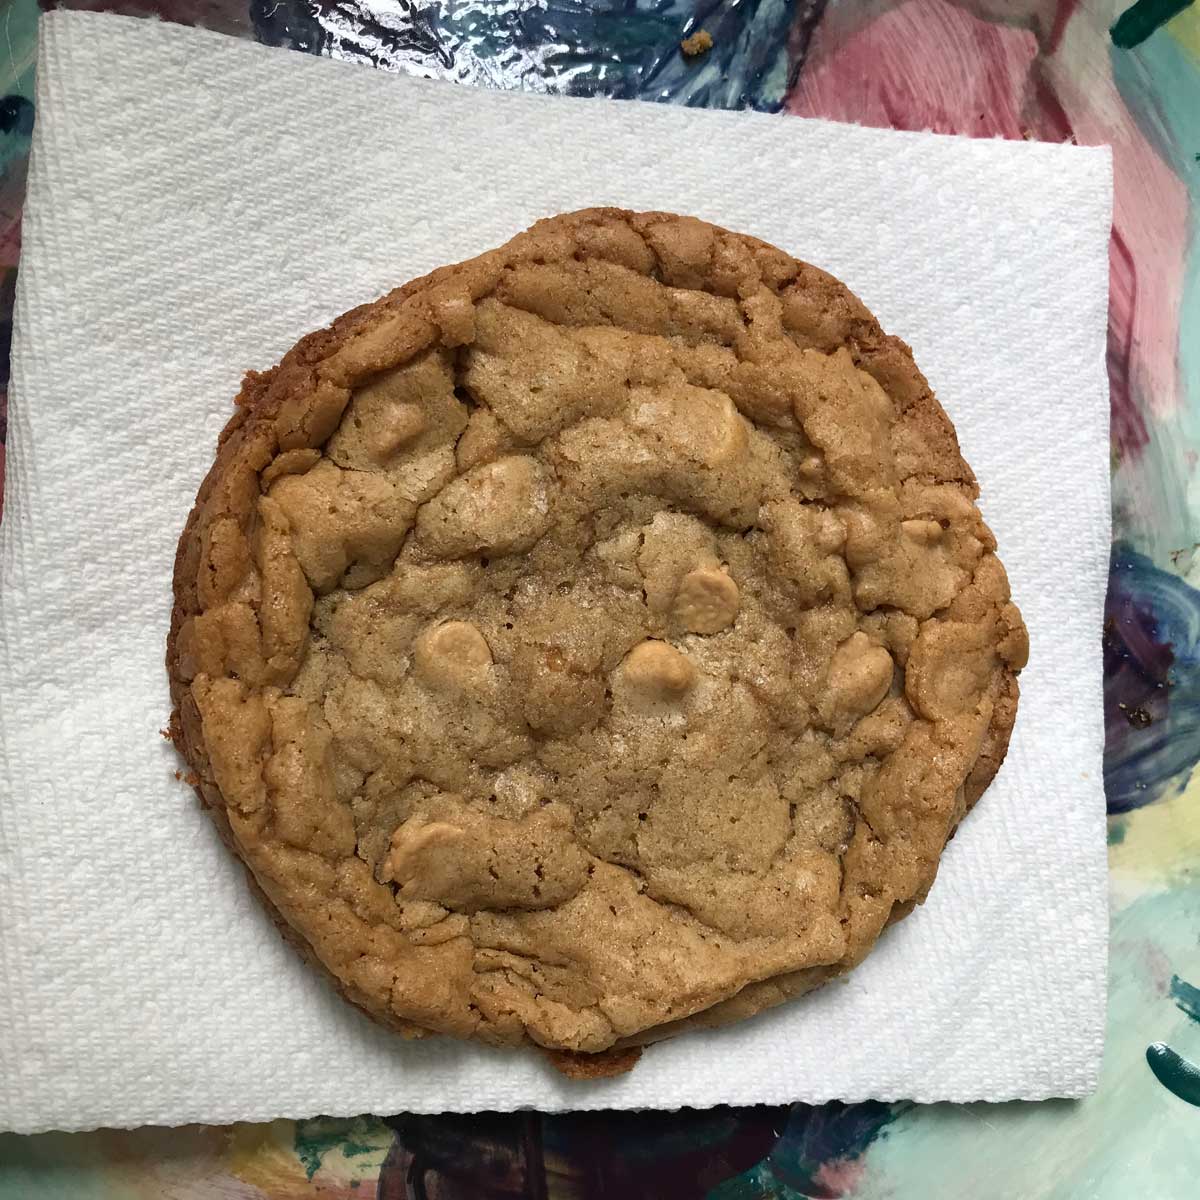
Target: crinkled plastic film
(626, 50)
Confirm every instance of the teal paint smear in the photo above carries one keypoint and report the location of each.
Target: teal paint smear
(1186, 997)
(1160, 86)
(1116, 832)
(1097, 1147)
(1180, 1077)
(18, 29)
(757, 1183)
(1136, 24)
(28, 1172)
(101, 1164)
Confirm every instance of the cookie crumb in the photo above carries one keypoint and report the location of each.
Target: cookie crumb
(1139, 718)
(604, 1065)
(179, 775)
(699, 43)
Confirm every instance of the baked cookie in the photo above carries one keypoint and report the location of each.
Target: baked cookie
(592, 639)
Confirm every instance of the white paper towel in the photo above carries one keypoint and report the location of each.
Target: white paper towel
(195, 205)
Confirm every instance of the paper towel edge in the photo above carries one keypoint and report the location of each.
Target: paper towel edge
(1086, 1086)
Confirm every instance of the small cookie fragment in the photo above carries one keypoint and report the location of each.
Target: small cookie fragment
(605, 1065)
(698, 43)
(498, 508)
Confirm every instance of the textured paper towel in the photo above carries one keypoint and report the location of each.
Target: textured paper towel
(195, 205)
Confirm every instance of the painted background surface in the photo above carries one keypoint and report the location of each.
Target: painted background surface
(1095, 72)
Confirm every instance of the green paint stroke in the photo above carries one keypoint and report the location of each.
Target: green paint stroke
(316, 1138)
(1174, 1072)
(1136, 24)
(1186, 997)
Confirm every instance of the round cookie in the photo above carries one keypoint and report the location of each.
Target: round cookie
(593, 639)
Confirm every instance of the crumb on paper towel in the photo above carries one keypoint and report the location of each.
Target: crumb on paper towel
(697, 44)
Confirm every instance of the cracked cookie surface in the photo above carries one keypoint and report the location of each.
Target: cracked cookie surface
(592, 639)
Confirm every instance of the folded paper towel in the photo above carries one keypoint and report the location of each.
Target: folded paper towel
(196, 204)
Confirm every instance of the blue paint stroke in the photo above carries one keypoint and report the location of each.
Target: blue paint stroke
(1180, 1077)
(1186, 997)
(1151, 682)
(625, 49)
(1171, 1069)
(1136, 24)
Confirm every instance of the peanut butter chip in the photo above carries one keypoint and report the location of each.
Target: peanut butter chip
(859, 675)
(451, 655)
(658, 671)
(924, 533)
(707, 601)
(410, 845)
(594, 639)
(405, 423)
(464, 860)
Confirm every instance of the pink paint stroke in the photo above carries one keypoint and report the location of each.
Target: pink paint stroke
(1013, 70)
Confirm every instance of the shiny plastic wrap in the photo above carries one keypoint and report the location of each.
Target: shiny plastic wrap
(628, 49)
